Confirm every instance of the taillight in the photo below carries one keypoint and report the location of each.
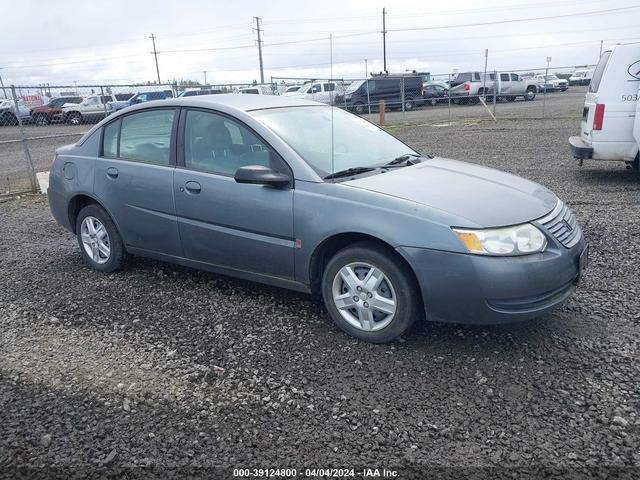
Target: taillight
(598, 117)
(467, 87)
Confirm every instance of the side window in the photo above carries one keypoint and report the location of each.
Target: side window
(146, 136)
(372, 86)
(317, 87)
(217, 144)
(476, 77)
(329, 87)
(142, 97)
(92, 101)
(504, 77)
(110, 139)
(515, 78)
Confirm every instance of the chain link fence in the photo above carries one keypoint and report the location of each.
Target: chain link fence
(35, 121)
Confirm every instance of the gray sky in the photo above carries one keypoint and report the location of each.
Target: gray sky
(108, 42)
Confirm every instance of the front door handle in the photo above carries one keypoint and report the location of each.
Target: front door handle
(112, 172)
(193, 187)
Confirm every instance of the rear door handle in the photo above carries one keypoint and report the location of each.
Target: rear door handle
(193, 187)
(112, 172)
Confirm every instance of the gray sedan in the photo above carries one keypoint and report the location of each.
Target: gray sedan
(299, 195)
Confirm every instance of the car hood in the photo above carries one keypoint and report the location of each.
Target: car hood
(484, 197)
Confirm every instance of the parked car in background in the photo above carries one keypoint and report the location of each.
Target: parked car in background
(251, 186)
(147, 97)
(291, 90)
(323, 92)
(92, 109)
(551, 83)
(257, 90)
(581, 77)
(434, 93)
(201, 91)
(364, 94)
(52, 111)
(468, 87)
(610, 126)
(123, 97)
(9, 115)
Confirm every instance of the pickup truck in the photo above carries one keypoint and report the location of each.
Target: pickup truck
(92, 109)
(467, 87)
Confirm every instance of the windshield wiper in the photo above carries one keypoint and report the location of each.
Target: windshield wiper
(404, 160)
(349, 171)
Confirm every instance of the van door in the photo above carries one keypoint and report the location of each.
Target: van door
(610, 110)
(505, 83)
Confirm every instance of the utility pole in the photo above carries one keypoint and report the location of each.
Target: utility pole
(4, 93)
(257, 29)
(155, 55)
(384, 39)
(601, 44)
(366, 69)
(484, 81)
(205, 77)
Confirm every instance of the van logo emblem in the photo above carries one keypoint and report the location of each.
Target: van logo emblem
(634, 70)
(566, 225)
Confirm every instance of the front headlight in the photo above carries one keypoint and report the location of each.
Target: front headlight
(517, 240)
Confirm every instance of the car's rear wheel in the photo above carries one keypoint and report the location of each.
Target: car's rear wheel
(100, 243)
(74, 118)
(531, 94)
(370, 293)
(434, 102)
(359, 108)
(408, 105)
(41, 120)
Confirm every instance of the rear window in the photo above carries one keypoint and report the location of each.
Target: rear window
(599, 71)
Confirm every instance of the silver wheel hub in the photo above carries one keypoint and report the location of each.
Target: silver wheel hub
(364, 296)
(95, 240)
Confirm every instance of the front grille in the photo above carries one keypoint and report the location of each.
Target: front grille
(562, 224)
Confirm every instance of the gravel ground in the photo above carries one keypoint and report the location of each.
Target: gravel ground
(194, 374)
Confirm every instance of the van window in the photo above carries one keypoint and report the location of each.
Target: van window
(476, 77)
(329, 87)
(504, 77)
(515, 78)
(597, 74)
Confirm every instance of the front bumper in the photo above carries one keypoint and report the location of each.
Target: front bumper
(580, 148)
(475, 289)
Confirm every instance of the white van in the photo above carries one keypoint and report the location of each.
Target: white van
(610, 128)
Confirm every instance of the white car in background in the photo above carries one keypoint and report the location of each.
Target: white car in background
(581, 77)
(291, 90)
(257, 90)
(8, 112)
(323, 92)
(551, 83)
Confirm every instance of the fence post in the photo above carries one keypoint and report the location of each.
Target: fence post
(368, 97)
(402, 97)
(381, 111)
(102, 99)
(27, 153)
(495, 90)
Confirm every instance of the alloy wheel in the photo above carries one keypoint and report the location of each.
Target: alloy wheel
(364, 296)
(95, 240)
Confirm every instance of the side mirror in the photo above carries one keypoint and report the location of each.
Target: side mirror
(260, 175)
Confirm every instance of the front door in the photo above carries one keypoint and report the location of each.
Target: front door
(222, 222)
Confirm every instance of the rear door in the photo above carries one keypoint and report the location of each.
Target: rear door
(505, 83)
(134, 179)
(224, 223)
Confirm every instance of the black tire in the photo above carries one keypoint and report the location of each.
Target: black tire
(74, 118)
(434, 102)
(406, 293)
(41, 120)
(531, 94)
(118, 254)
(359, 108)
(9, 119)
(408, 105)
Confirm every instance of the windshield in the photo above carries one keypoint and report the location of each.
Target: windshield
(551, 77)
(356, 142)
(353, 86)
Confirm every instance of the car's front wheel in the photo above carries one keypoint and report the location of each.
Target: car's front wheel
(370, 293)
(100, 243)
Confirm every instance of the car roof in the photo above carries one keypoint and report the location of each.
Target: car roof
(244, 103)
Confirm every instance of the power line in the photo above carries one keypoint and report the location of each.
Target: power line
(517, 20)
